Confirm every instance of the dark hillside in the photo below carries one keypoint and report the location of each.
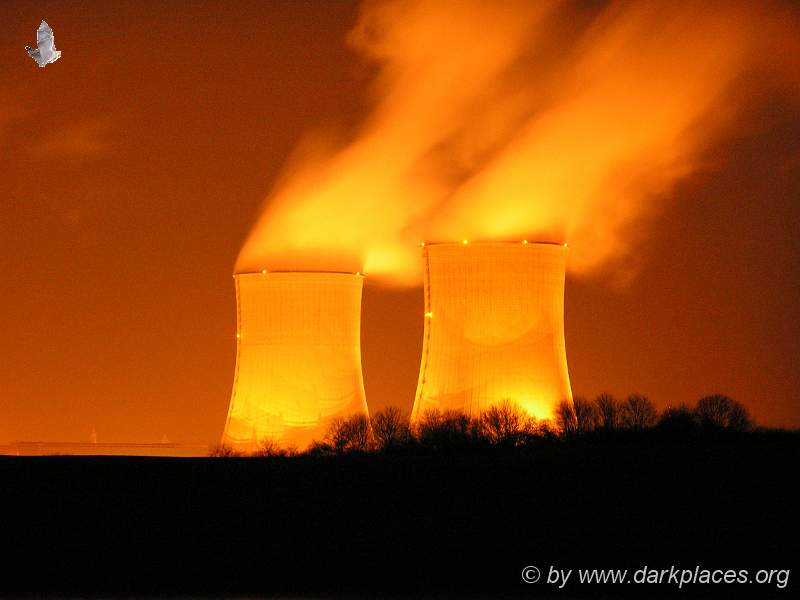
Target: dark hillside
(413, 519)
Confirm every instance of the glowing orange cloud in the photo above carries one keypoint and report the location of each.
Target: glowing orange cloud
(497, 121)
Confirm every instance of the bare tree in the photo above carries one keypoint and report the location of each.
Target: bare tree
(607, 411)
(585, 414)
(543, 429)
(680, 418)
(389, 427)
(565, 417)
(348, 434)
(269, 447)
(338, 435)
(360, 433)
(427, 423)
(223, 451)
(448, 428)
(319, 448)
(637, 412)
(739, 418)
(721, 412)
(505, 423)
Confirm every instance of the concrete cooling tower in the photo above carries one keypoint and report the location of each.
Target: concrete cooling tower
(298, 357)
(494, 327)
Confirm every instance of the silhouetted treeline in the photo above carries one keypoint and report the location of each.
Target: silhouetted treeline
(507, 424)
(636, 412)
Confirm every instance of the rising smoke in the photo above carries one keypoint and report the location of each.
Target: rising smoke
(551, 121)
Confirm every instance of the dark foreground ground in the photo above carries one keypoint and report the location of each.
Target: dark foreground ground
(460, 522)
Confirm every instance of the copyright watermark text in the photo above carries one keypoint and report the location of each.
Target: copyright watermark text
(672, 575)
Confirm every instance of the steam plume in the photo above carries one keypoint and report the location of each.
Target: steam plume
(555, 121)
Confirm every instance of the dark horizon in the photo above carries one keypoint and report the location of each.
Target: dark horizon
(425, 522)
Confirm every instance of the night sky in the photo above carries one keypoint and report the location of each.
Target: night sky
(132, 170)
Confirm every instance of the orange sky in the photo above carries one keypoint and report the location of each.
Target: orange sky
(133, 169)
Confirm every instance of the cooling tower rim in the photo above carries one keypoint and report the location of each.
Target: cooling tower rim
(298, 272)
(495, 243)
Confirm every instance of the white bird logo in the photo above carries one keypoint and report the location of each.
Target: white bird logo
(45, 51)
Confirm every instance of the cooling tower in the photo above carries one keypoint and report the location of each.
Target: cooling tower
(298, 357)
(494, 327)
